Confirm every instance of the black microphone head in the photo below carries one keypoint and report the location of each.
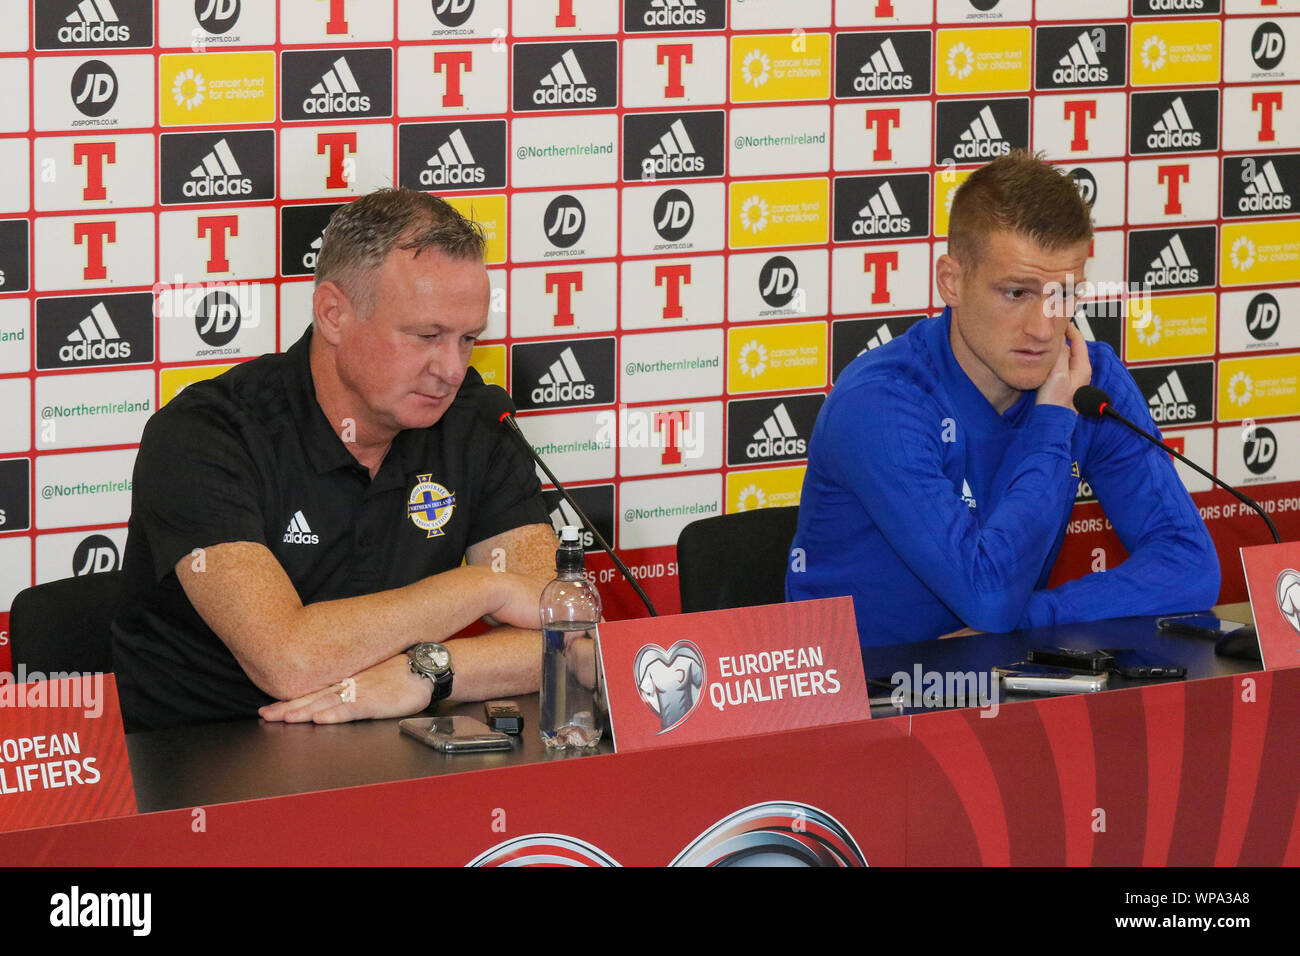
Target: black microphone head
(495, 403)
(1090, 401)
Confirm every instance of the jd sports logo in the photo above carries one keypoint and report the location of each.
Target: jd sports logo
(217, 16)
(976, 131)
(1262, 316)
(673, 146)
(879, 207)
(564, 221)
(453, 13)
(1268, 46)
(336, 84)
(643, 16)
(301, 228)
(777, 281)
(1260, 185)
(1166, 259)
(449, 156)
(1160, 8)
(299, 532)
(1259, 451)
(96, 554)
(80, 331)
(79, 24)
(674, 214)
(94, 88)
(217, 167)
(563, 374)
(217, 318)
(1087, 183)
(768, 429)
(563, 76)
(899, 65)
(1177, 394)
(1071, 58)
(1174, 122)
(596, 501)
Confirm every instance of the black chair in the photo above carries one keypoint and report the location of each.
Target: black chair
(63, 625)
(735, 560)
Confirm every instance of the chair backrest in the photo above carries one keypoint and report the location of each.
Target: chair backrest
(64, 625)
(735, 560)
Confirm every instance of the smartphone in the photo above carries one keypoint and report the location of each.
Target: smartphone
(454, 734)
(1142, 664)
(1030, 679)
(1203, 624)
(1091, 662)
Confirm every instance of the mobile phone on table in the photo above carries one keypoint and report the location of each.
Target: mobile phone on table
(454, 734)
(1091, 662)
(1028, 678)
(1130, 662)
(1203, 624)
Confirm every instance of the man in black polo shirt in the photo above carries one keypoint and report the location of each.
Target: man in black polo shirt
(299, 522)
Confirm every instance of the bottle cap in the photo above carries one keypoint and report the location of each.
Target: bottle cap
(569, 534)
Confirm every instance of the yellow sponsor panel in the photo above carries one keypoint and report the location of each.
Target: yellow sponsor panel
(779, 212)
(172, 381)
(1174, 326)
(490, 361)
(1254, 253)
(1169, 54)
(783, 66)
(764, 488)
(490, 213)
(775, 358)
(945, 187)
(1264, 387)
(200, 89)
(984, 60)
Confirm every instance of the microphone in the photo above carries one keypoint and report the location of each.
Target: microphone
(1092, 402)
(496, 405)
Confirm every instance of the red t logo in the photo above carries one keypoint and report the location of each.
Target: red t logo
(338, 21)
(671, 425)
(674, 54)
(337, 145)
(216, 227)
(94, 235)
(564, 14)
(93, 156)
(882, 263)
(1264, 103)
(672, 277)
(1173, 177)
(450, 63)
(564, 284)
(884, 8)
(882, 120)
(1080, 111)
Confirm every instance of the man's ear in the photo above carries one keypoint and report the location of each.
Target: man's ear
(948, 277)
(330, 307)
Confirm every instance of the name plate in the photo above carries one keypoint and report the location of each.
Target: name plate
(1273, 583)
(718, 675)
(62, 752)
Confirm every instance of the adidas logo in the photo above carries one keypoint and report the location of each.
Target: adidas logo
(564, 382)
(1174, 129)
(299, 532)
(674, 13)
(674, 153)
(1081, 64)
(982, 139)
(453, 164)
(218, 175)
(881, 215)
(966, 494)
(1170, 402)
(95, 337)
(1265, 192)
(1172, 267)
(884, 71)
(309, 257)
(337, 92)
(94, 21)
(562, 515)
(880, 338)
(565, 84)
(778, 436)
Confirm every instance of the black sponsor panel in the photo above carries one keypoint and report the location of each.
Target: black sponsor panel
(563, 374)
(95, 554)
(93, 24)
(565, 76)
(673, 145)
(650, 16)
(1263, 313)
(673, 215)
(336, 84)
(778, 280)
(596, 501)
(1102, 320)
(1174, 121)
(1164, 8)
(564, 221)
(1083, 56)
(1267, 46)
(80, 331)
(300, 236)
(15, 494)
(1264, 185)
(453, 13)
(1165, 260)
(442, 157)
(1177, 394)
(976, 131)
(1259, 450)
(852, 337)
(230, 166)
(94, 88)
(877, 63)
(15, 255)
(217, 318)
(763, 430)
(217, 16)
(1087, 183)
(882, 207)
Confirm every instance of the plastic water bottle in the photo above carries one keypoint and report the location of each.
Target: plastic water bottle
(570, 686)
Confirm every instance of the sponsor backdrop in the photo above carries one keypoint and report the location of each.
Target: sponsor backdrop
(699, 213)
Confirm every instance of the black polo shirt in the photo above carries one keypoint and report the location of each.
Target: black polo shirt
(249, 456)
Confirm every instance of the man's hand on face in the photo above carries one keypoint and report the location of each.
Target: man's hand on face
(388, 689)
(1071, 372)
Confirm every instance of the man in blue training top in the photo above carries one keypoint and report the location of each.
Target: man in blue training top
(944, 465)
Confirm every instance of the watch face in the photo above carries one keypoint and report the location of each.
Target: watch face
(432, 657)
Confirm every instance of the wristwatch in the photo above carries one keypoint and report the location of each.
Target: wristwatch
(434, 662)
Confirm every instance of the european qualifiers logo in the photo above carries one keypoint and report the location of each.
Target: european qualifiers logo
(300, 237)
(1177, 394)
(443, 157)
(1163, 8)
(217, 167)
(93, 24)
(1081, 57)
(763, 430)
(564, 221)
(596, 501)
(673, 16)
(898, 65)
(1164, 260)
(1260, 185)
(217, 17)
(15, 255)
(565, 76)
(973, 132)
(882, 207)
(1182, 121)
(853, 337)
(86, 330)
(336, 84)
(94, 89)
(15, 494)
(673, 145)
(674, 214)
(563, 374)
